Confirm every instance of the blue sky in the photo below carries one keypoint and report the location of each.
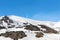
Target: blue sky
(48, 10)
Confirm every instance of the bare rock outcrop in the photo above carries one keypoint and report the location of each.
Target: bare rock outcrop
(14, 35)
(39, 34)
(48, 29)
(32, 27)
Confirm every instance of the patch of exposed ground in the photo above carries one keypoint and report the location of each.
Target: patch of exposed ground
(32, 27)
(1, 27)
(14, 35)
(39, 34)
(48, 29)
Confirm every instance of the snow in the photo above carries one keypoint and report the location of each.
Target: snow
(5, 24)
(34, 22)
(18, 21)
(57, 26)
(3, 31)
(52, 36)
(17, 18)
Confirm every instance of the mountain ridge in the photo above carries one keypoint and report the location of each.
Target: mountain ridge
(11, 26)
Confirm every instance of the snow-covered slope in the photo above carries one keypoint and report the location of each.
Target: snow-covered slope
(57, 26)
(25, 20)
(33, 29)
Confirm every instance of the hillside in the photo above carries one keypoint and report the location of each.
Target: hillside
(20, 28)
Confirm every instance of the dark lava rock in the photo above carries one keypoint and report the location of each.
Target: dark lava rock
(32, 27)
(14, 35)
(48, 29)
(6, 19)
(2, 27)
(11, 26)
(25, 23)
(39, 34)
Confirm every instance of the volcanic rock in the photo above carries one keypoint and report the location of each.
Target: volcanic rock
(48, 29)
(32, 27)
(14, 35)
(39, 34)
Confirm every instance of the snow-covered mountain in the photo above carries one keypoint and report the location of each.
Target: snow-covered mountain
(20, 28)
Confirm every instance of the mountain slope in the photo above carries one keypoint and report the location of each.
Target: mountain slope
(21, 28)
